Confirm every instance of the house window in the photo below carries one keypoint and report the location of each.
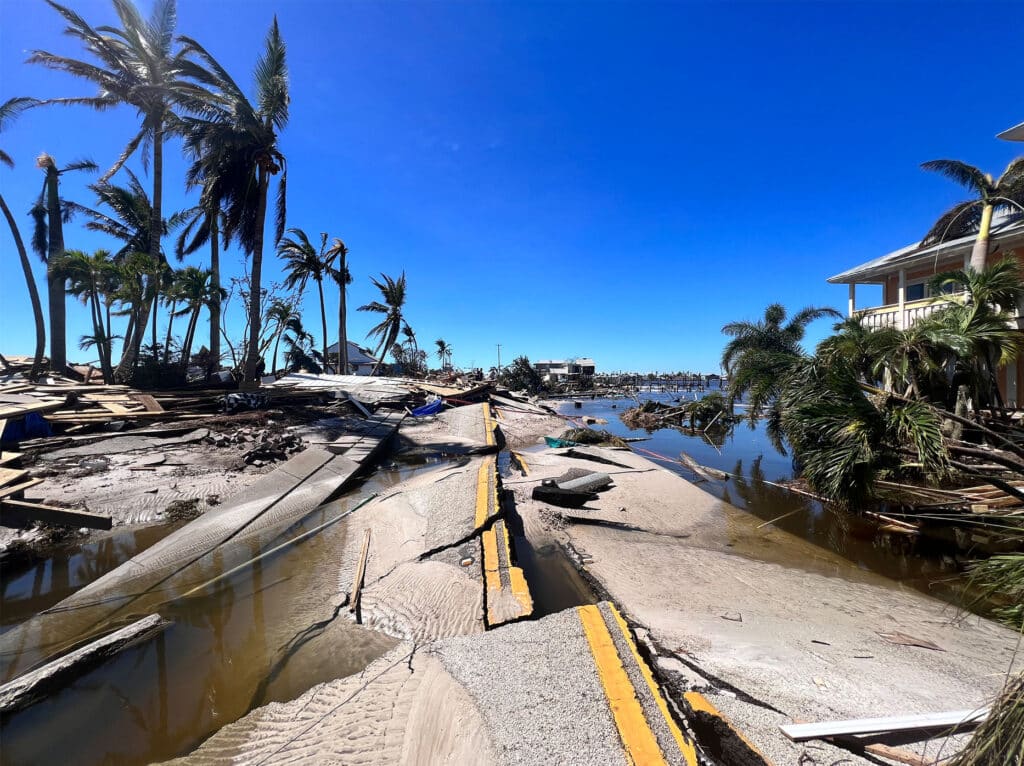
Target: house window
(916, 292)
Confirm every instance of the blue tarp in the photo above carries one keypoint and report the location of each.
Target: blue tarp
(32, 426)
(430, 408)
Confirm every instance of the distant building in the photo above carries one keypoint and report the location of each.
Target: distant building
(360, 361)
(564, 370)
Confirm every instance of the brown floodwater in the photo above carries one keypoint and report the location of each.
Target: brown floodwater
(268, 632)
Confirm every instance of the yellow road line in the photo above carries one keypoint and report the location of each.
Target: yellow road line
(522, 463)
(637, 738)
(489, 425)
(483, 486)
(491, 576)
(686, 747)
(702, 704)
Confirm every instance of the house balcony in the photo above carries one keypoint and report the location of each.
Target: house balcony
(893, 315)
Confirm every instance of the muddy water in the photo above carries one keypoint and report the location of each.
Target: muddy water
(266, 633)
(920, 563)
(32, 585)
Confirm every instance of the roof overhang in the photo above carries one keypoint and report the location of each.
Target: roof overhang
(1015, 133)
(876, 271)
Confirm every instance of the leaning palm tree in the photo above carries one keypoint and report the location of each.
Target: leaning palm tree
(49, 213)
(281, 314)
(233, 144)
(393, 293)
(302, 262)
(8, 111)
(88, 278)
(194, 288)
(337, 258)
(975, 215)
(129, 221)
(135, 65)
(760, 353)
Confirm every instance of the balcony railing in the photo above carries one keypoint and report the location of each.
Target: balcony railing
(891, 316)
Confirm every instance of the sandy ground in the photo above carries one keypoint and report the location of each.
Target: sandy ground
(795, 631)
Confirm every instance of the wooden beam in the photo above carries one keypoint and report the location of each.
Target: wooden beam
(18, 512)
(16, 489)
(31, 687)
(357, 584)
(956, 719)
(11, 475)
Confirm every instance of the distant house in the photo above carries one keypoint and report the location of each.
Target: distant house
(906, 295)
(360, 361)
(563, 370)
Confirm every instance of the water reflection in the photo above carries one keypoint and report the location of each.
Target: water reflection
(757, 470)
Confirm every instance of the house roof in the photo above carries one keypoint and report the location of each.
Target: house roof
(1015, 133)
(1004, 226)
(356, 355)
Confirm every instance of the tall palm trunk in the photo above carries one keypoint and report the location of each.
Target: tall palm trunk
(33, 293)
(215, 289)
(126, 367)
(252, 352)
(323, 322)
(190, 334)
(167, 338)
(55, 282)
(979, 254)
(342, 311)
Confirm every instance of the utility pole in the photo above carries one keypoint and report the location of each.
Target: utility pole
(499, 357)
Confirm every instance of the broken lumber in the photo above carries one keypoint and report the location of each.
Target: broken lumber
(18, 513)
(953, 721)
(31, 687)
(357, 585)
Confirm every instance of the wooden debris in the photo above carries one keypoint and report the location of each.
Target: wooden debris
(904, 640)
(53, 676)
(357, 584)
(19, 513)
(956, 720)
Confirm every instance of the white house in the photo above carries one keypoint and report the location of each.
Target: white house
(360, 361)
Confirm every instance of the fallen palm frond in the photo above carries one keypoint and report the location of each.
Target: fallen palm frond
(999, 741)
(593, 436)
(1000, 580)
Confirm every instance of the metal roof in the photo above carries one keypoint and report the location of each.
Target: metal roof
(1015, 133)
(1004, 225)
(356, 355)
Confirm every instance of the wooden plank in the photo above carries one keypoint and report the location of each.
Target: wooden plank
(357, 584)
(956, 719)
(11, 475)
(7, 457)
(147, 401)
(20, 410)
(11, 490)
(31, 687)
(21, 511)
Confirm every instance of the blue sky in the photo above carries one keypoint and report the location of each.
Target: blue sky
(605, 179)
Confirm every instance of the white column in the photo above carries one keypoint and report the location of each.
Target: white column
(852, 301)
(901, 319)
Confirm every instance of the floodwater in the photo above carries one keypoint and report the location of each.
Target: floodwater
(266, 633)
(918, 562)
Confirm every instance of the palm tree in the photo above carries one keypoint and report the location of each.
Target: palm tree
(49, 214)
(975, 215)
(283, 314)
(978, 317)
(303, 262)
(201, 226)
(854, 342)
(444, 352)
(8, 111)
(234, 147)
(760, 353)
(194, 287)
(393, 293)
(89, 279)
(137, 66)
(337, 258)
(129, 222)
